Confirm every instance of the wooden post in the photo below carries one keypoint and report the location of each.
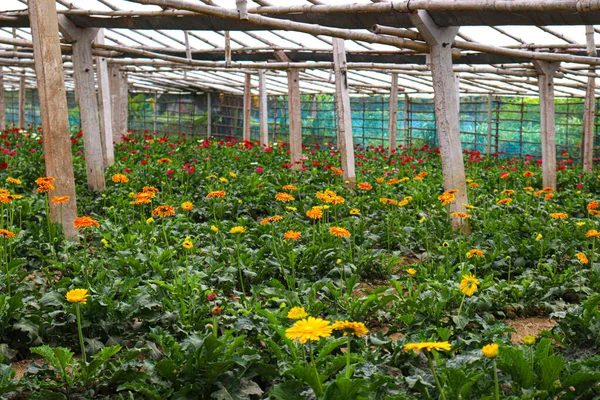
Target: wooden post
(22, 94)
(446, 103)
(406, 120)
(247, 106)
(2, 101)
(53, 109)
(208, 115)
(108, 148)
(546, 72)
(589, 113)
(344, 113)
(119, 101)
(83, 72)
(227, 48)
(393, 124)
(264, 113)
(155, 113)
(489, 125)
(295, 117)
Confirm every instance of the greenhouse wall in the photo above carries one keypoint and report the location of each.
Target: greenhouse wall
(515, 121)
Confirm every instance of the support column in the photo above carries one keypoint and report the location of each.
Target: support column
(489, 125)
(546, 72)
(589, 113)
(393, 122)
(247, 106)
(22, 94)
(446, 103)
(406, 120)
(344, 113)
(108, 149)
(208, 115)
(295, 117)
(2, 101)
(264, 113)
(155, 113)
(53, 110)
(119, 101)
(83, 71)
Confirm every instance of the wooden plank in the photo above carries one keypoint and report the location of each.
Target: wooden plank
(208, 115)
(589, 112)
(295, 118)
(446, 103)
(264, 114)
(344, 113)
(2, 101)
(119, 101)
(546, 85)
(22, 97)
(53, 110)
(247, 106)
(83, 73)
(393, 120)
(106, 127)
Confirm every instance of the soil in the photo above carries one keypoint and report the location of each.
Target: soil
(528, 327)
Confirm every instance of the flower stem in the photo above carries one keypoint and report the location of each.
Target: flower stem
(461, 304)
(312, 361)
(437, 381)
(78, 314)
(496, 385)
(348, 372)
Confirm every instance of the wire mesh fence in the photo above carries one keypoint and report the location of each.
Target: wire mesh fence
(508, 125)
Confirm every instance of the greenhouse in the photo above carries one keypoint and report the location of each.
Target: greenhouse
(303, 199)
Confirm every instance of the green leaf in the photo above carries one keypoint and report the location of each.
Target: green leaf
(343, 389)
(100, 358)
(288, 390)
(330, 345)
(512, 362)
(551, 368)
(309, 375)
(148, 390)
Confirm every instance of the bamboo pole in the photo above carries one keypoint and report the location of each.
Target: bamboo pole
(2, 102)
(208, 115)
(264, 115)
(22, 96)
(247, 106)
(489, 125)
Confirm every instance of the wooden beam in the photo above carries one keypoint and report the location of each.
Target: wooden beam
(546, 85)
(54, 111)
(247, 106)
(263, 110)
(119, 101)
(393, 120)
(22, 100)
(83, 72)
(295, 118)
(344, 113)
(589, 113)
(104, 97)
(2, 101)
(446, 105)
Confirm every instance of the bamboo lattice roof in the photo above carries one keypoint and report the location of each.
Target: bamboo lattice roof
(180, 45)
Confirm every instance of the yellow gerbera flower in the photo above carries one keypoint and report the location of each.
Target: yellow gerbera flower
(427, 346)
(490, 350)
(309, 329)
(297, 313)
(468, 285)
(357, 328)
(77, 296)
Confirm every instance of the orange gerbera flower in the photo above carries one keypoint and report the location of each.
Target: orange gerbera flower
(85, 222)
(289, 187)
(339, 231)
(120, 178)
(6, 234)
(292, 235)
(142, 198)
(218, 193)
(164, 161)
(365, 186)
(60, 199)
(559, 216)
(508, 200)
(163, 211)
(285, 197)
(314, 213)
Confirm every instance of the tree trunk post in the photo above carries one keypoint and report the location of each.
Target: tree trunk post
(264, 113)
(393, 124)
